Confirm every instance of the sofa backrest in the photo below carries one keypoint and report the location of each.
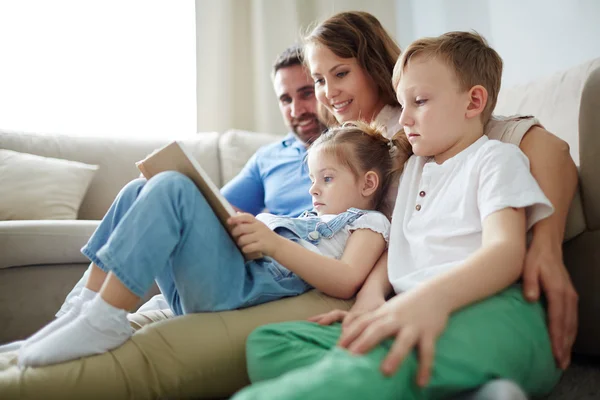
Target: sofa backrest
(568, 105)
(237, 146)
(114, 156)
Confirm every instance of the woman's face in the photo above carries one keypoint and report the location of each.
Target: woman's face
(342, 85)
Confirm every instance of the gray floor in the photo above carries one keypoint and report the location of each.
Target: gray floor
(581, 381)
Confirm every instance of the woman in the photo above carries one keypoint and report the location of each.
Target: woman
(351, 59)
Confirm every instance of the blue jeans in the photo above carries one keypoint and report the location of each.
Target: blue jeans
(163, 230)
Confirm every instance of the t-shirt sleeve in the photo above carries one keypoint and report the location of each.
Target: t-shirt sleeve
(505, 181)
(375, 221)
(510, 129)
(246, 190)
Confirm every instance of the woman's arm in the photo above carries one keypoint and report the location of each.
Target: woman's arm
(555, 172)
(337, 278)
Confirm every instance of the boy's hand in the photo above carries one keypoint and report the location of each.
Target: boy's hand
(414, 321)
(252, 235)
(360, 307)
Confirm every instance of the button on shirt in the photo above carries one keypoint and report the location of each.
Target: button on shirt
(440, 208)
(275, 178)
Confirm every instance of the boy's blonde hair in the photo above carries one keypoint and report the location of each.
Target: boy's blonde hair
(362, 147)
(470, 57)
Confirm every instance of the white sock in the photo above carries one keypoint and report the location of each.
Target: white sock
(71, 313)
(99, 328)
(12, 346)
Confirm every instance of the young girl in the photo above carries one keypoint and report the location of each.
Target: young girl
(164, 230)
(351, 58)
(457, 244)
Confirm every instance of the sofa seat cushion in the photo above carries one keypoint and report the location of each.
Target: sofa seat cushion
(36, 187)
(43, 242)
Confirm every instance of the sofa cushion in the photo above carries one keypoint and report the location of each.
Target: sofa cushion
(237, 146)
(43, 242)
(35, 187)
(115, 156)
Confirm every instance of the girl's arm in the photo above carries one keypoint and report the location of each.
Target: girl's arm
(555, 172)
(337, 278)
(416, 318)
(371, 296)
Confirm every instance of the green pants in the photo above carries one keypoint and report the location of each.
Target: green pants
(500, 337)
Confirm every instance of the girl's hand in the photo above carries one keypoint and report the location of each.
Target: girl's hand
(414, 321)
(252, 235)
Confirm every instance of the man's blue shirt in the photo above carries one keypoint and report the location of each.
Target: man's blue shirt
(275, 178)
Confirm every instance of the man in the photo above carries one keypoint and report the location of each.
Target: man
(276, 177)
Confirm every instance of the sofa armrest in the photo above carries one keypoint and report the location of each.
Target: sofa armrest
(44, 242)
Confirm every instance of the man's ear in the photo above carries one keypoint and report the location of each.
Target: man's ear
(478, 97)
(371, 183)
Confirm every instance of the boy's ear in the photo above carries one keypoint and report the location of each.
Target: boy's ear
(371, 183)
(478, 97)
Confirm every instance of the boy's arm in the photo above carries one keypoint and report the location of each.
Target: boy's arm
(416, 318)
(376, 288)
(555, 172)
(496, 265)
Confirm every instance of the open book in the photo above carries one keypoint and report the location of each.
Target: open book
(175, 157)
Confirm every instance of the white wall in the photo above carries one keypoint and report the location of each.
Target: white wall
(534, 37)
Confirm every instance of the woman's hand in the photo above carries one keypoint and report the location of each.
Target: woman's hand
(252, 235)
(544, 267)
(414, 321)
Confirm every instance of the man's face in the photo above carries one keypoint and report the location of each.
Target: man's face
(297, 102)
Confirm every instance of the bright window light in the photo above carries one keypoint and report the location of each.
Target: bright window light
(98, 68)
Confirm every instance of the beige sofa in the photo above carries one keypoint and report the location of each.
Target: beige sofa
(40, 260)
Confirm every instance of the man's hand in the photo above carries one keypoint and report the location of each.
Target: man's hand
(544, 267)
(414, 321)
(252, 235)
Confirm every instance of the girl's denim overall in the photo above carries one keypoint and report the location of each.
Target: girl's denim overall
(164, 230)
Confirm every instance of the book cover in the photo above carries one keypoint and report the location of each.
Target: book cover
(175, 157)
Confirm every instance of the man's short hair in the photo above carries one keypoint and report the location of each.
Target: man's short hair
(470, 57)
(291, 56)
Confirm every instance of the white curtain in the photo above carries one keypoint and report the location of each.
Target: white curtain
(237, 42)
(111, 67)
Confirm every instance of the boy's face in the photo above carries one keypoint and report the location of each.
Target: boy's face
(434, 107)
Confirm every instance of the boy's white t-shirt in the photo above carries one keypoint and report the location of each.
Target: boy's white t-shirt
(440, 208)
(334, 247)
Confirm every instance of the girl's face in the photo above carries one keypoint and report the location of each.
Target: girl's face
(342, 85)
(334, 188)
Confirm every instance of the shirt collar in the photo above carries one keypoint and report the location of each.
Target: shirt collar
(473, 147)
(291, 140)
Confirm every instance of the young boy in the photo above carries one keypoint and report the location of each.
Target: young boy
(457, 245)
